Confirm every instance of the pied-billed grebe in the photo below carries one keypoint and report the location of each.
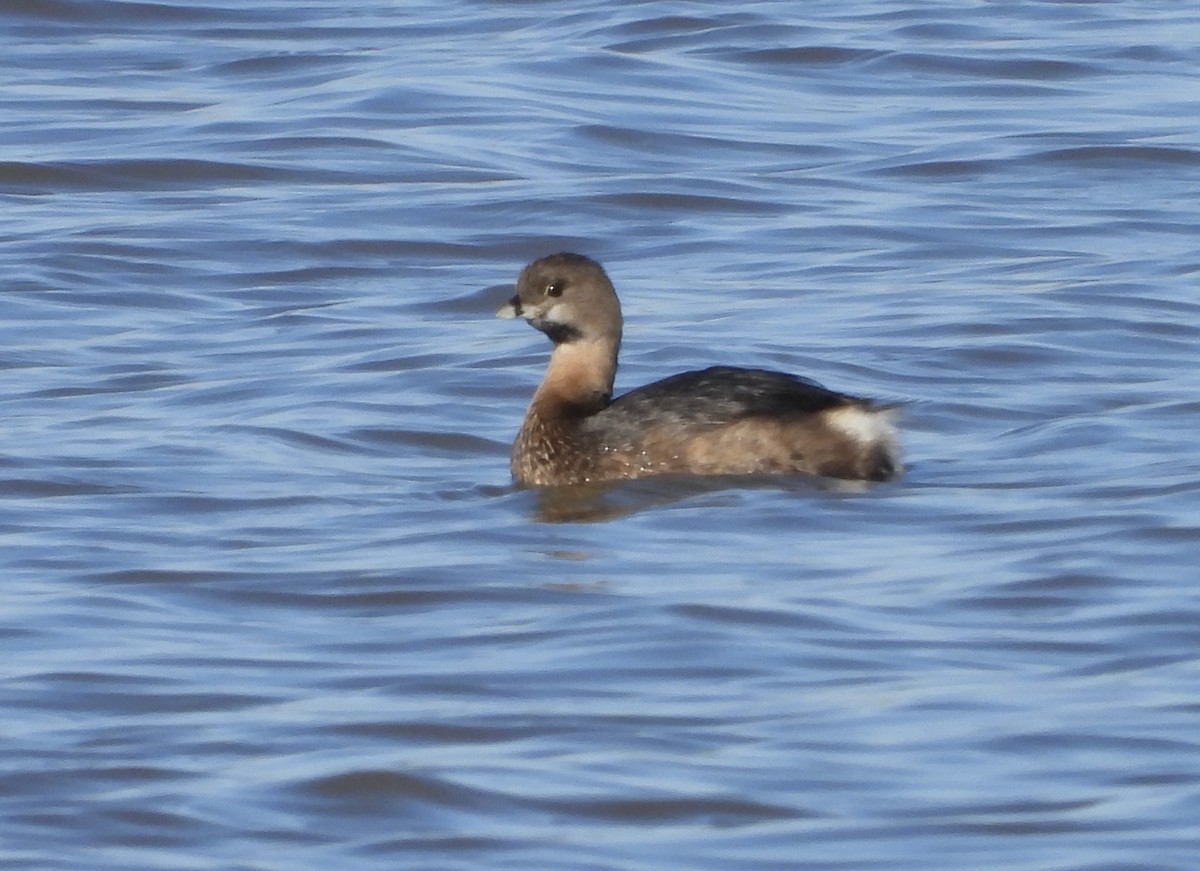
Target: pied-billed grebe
(719, 421)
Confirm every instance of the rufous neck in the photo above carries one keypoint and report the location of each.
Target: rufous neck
(580, 373)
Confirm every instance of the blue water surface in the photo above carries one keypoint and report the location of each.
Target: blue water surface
(270, 600)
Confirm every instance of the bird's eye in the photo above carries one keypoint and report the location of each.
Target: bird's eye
(554, 288)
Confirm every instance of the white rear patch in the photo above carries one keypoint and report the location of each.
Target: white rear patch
(866, 426)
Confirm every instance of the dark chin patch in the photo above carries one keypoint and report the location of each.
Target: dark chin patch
(559, 333)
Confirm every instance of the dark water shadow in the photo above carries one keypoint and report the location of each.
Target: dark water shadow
(601, 502)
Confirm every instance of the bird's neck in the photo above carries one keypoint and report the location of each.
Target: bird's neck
(579, 377)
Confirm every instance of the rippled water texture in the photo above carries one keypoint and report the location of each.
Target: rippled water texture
(270, 601)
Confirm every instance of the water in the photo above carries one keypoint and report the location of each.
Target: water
(270, 601)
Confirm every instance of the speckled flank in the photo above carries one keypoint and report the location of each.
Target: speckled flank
(552, 449)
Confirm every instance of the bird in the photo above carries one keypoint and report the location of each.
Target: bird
(722, 420)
